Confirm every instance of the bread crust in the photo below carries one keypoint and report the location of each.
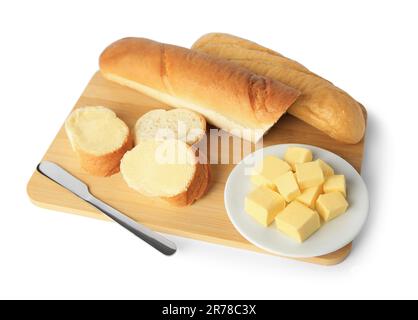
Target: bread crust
(255, 51)
(107, 164)
(321, 104)
(204, 128)
(234, 92)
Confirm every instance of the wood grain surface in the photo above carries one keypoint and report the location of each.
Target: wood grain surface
(206, 219)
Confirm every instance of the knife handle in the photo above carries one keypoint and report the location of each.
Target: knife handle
(154, 239)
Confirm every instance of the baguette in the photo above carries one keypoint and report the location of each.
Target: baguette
(99, 138)
(167, 169)
(321, 104)
(229, 96)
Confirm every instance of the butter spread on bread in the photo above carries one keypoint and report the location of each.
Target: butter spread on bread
(99, 138)
(167, 169)
(321, 104)
(229, 96)
(181, 124)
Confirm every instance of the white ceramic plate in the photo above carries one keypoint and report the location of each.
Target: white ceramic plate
(331, 237)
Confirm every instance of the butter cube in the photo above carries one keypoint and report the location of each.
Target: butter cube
(335, 183)
(260, 181)
(310, 195)
(331, 205)
(309, 174)
(326, 168)
(268, 170)
(263, 204)
(298, 221)
(295, 155)
(287, 186)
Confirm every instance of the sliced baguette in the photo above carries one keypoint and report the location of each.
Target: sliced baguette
(167, 169)
(99, 138)
(181, 124)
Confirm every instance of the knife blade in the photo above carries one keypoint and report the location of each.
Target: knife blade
(81, 190)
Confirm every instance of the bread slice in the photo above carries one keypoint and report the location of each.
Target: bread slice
(167, 169)
(99, 138)
(181, 124)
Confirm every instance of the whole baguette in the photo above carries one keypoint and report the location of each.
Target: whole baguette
(229, 96)
(321, 104)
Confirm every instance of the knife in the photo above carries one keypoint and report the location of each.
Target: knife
(80, 189)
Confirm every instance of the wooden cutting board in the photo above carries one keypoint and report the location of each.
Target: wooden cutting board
(207, 219)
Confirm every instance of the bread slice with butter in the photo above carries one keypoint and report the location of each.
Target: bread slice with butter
(181, 124)
(167, 169)
(99, 138)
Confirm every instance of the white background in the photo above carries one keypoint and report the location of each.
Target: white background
(49, 51)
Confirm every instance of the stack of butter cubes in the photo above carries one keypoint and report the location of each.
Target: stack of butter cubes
(297, 193)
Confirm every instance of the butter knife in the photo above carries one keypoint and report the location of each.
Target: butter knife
(80, 189)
